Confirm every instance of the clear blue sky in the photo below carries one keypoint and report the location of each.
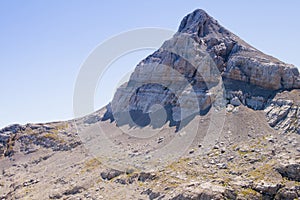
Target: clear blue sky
(43, 43)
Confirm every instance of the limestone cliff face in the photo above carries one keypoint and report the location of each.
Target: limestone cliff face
(235, 58)
(203, 65)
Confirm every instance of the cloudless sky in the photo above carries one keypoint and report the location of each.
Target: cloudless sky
(44, 43)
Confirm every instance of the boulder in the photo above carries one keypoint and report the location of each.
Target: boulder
(235, 101)
(290, 170)
(110, 174)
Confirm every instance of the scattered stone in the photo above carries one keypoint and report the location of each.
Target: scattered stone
(212, 162)
(229, 108)
(160, 140)
(129, 171)
(120, 181)
(55, 196)
(288, 194)
(132, 178)
(30, 182)
(223, 150)
(235, 110)
(222, 166)
(152, 195)
(110, 174)
(74, 190)
(230, 158)
(270, 139)
(145, 176)
(266, 188)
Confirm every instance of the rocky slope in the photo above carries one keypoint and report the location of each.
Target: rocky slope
(204, 82)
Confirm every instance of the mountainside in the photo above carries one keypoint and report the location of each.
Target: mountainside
(206, 116)
(249, 77)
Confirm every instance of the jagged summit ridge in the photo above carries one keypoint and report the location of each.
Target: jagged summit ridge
(195, 22)
(201, 24)
(235, 58)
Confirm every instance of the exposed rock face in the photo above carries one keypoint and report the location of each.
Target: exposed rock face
(7, 137)
(166, 79)
(290, 171)
(181, 75)
(236, 59)
(288, 193)
(283, 113)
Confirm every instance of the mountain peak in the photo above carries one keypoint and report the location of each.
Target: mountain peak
(244, 70)
(235, 58)
(195, 22)
(198, 22)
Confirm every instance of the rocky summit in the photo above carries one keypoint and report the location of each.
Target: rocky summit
(206, 116)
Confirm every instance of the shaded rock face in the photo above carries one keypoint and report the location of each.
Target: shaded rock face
(202, 56)
(290, 171)
(175, 79)
(162, 96)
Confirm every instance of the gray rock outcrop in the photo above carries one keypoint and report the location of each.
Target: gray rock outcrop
(290, 171)
(283, 113)
(203, 65)
(235, 58)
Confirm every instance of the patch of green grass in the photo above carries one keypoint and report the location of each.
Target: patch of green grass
(248, 192)
(91, 165)
(234, 147)
(263, 172)
(242, 153)
(52, 136)
(62, 126)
